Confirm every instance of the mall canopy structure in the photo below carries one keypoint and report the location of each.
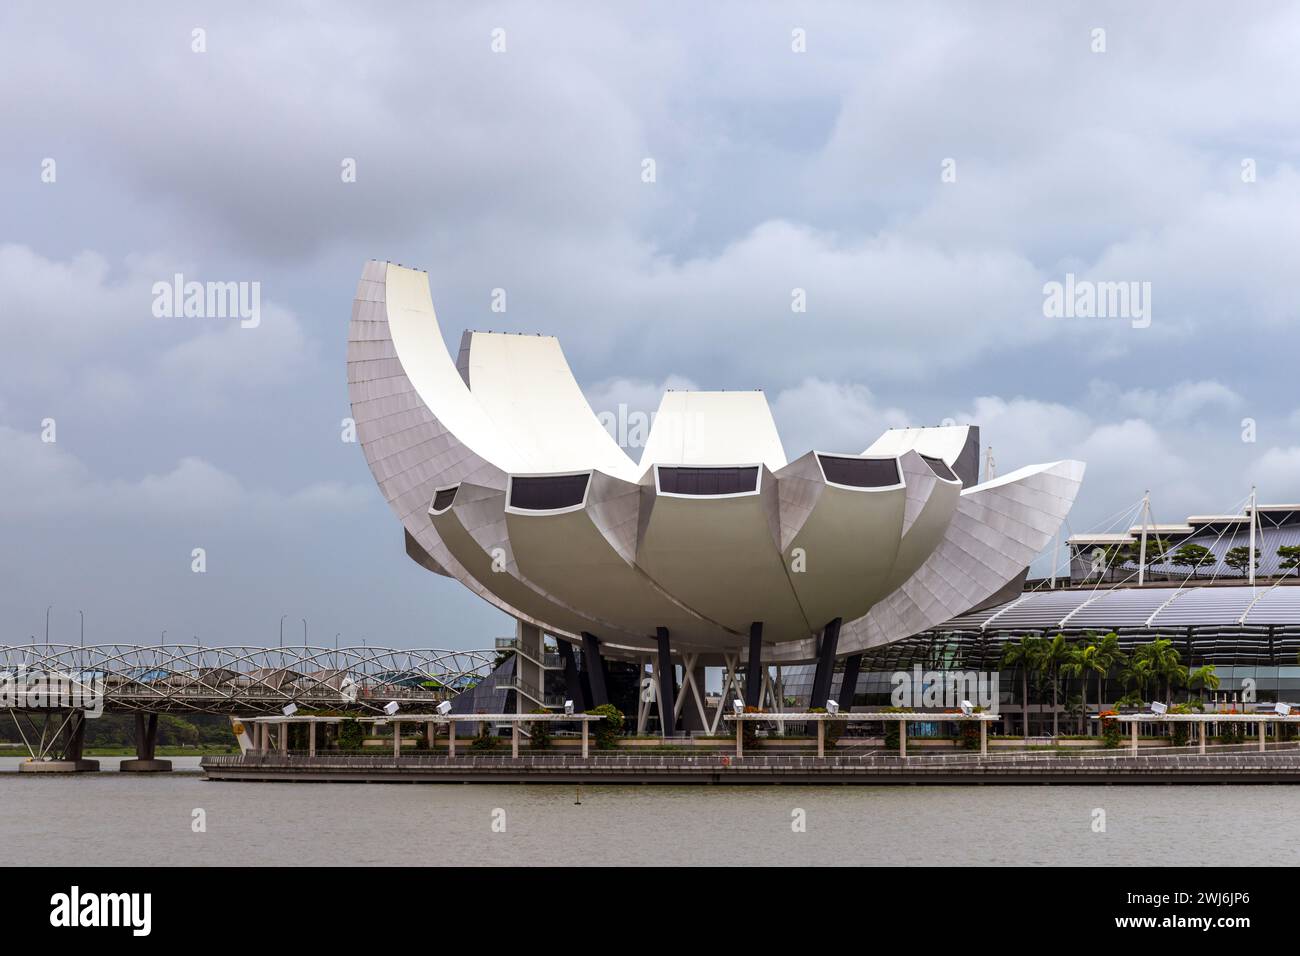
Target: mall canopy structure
(713, 543)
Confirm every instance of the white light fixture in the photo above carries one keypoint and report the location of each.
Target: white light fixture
(832, 706)
(1159, 709)
(568, 707)
(1282, 710)
(290, 710)
(391, 708)
(444, 708)
(737, 706)
(967, 708)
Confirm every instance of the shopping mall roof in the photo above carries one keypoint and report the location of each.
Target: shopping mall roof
(1110, 608)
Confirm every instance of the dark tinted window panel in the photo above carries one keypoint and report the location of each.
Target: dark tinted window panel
(940, 468)
(708, 481)
(443, 499)
(548, 493)
(860, 472)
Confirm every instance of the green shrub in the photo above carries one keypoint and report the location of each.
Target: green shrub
(486, 740)
(351, 734)
(606, 732)
(540, 732)
(892, 735)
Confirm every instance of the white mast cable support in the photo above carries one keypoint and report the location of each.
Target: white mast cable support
(1142, 550)
(1254, 516)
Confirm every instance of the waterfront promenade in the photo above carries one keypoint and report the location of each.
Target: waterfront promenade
(1239, 766)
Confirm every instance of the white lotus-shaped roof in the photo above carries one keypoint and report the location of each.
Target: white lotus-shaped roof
(505, 479)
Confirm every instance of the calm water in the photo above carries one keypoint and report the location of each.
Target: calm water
(111, 818)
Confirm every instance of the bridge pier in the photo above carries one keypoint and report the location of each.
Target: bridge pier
(72, 732)
(146, 743)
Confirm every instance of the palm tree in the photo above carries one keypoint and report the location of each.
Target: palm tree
(1053, 656)
(1203, 678)
(1024, 655)
(1136, 672)
(1109, 656)
(1089, 658)
(1165, 664)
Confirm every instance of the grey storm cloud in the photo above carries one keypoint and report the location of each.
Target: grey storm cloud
(918, 174)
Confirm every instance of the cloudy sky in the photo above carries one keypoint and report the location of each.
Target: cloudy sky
(921, 171)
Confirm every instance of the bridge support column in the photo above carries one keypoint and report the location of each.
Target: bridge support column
(667, 675)
(753, 670)
(594, 669)
(146, 744)
(67, 743)
(821, 688)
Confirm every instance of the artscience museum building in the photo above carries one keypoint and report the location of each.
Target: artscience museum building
(712, 550)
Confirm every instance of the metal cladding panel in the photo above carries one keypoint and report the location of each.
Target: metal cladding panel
(931, 503)
(568, 556)
(415, 551)
(799, 485)
(849, 545)
(410, 451)
(958, 446)
(525, 386)
(994, 534)
(721, 557)
(713, 428)
(475, 531)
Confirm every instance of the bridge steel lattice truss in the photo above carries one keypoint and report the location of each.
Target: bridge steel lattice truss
(243, 680)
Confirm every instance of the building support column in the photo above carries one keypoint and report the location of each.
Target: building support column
(529, 651)
(902, 738)
(825, 664)
(849, 685)
(311, 738)
(593, 667)
(753, 670)
(1262, 730)
(1133, 738)
(984, 738)
(1200, 734)
(451, 738)
(667, 689)
(572, 682)
(397, 738)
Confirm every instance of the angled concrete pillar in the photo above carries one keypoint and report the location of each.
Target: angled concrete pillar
(754, 669)
(821, 688)
(849, 685)
(594, 669)
(667, 681)
(572, 682)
